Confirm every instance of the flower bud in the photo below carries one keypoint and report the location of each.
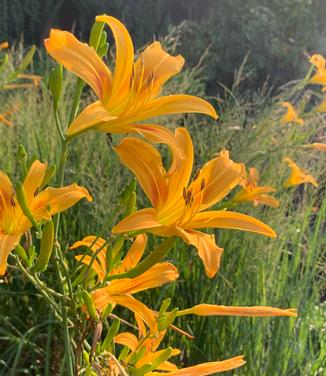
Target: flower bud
(55, 84)
(46, 247)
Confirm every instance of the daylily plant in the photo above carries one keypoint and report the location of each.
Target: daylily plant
(120, 291)
(253, 193)
(298, 176)
(42, 204)
(179, 206)
(130, 94)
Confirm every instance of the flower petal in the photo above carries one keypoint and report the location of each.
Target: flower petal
(55, 200)
(7, 244)
(134, 254)
(205, 369)
(221, 310)
(81, 59)
(92, 116)
(141, 220)
(124, 59)
(87, 260)
(316, 146)
(157, 65)
(146, 163)
(127, 339)
(220, 175)
(155, 276)
(208, 251)
(34, 179)
(177, 104)
(230, 220)
(6, 193)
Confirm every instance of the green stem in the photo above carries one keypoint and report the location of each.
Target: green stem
(58, 125)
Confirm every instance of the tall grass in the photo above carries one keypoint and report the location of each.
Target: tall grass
(286, 272)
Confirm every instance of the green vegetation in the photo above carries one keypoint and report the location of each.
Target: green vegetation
(286, 272)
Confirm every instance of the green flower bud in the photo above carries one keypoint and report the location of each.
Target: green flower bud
(95, 36)
(90, 305)
(108, 341)
(46, 247)
(55, 84)
(22, 200)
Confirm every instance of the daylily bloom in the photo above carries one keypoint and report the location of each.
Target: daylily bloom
(179, 207)
(130, 94)
(291, 115)
(316, 146)
(120, 291)
(252, 192)
(13, 222)
(319, 77)
(298, 176)
(159, 358)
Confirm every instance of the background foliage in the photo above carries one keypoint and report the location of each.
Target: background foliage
(275, 33)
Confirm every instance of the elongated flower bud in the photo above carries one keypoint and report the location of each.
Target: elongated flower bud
(55, 85)
(46, 247)
(96, 34)
(111, 334)
(22, 253)
(90, 305)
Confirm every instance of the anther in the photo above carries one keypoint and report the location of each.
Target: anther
(197, 174)
(12, 200)
(202, 184)
(37, 191)
(184, 192)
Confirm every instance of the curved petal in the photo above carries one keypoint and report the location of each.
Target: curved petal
(87, 260)
(7, 244)
(205, 369)
(124, 59)
(136, 306)
(94, 243)
(55, 200)
(178, 177)
(230, 220)
(155, 276)
(221, 310)
(157, 65)
(81, 59)
(127, 339)
(134, 254)
(207, 249)
(146, 163)
(268, 200)
(34, 179)
(141, 220)
(92, 116)
(177, 104)
(220, 175)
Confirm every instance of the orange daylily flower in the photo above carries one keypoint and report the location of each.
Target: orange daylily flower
(120, 291)
(221, 310)
(319, 77)
(179, 207)
(130, 94)
(44, 204)
(298, 176)
(252, 192)
(316, 146)
(154, 357)
(291, 115)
